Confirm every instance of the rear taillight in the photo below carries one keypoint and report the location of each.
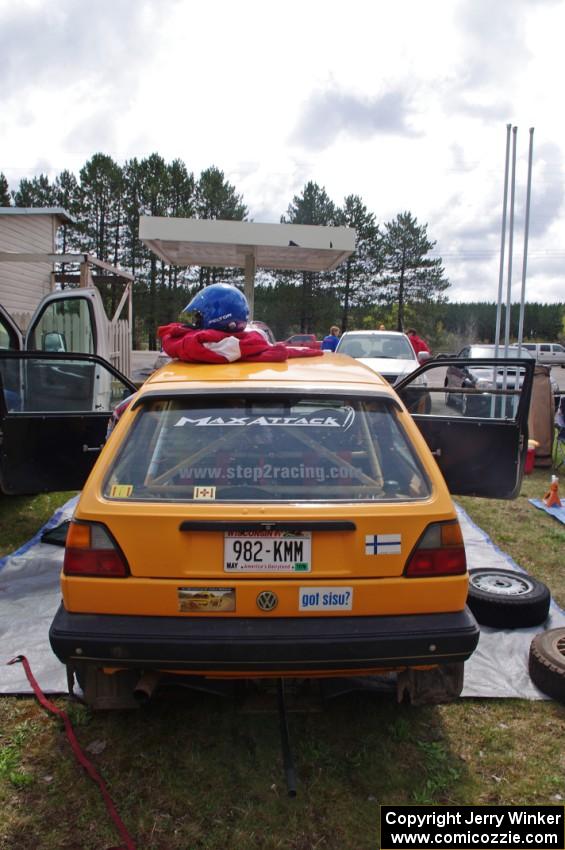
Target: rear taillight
(439, 552)
(91, 551)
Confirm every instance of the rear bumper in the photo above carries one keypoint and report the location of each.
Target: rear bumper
(263, 645)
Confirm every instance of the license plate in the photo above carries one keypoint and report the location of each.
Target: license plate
(267, 551)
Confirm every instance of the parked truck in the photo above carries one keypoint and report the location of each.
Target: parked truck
(64, 362)
(59, 387)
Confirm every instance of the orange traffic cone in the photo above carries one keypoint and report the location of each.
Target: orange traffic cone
(551, 498)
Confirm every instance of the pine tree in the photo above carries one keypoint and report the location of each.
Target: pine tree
(358, 275)
(155, 191)
(216, 198)
(181, 201)
(36, 192)
(135, 257)
(409, 275)
(132, 250)
(100, 203)
(152, 187)
(312, 207)
(66, 195)
(5, 198)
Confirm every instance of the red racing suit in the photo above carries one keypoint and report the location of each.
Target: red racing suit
(209, 346)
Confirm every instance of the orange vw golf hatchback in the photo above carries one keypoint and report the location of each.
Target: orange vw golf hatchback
(281, 520)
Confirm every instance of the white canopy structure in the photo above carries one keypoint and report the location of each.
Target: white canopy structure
(246, 245)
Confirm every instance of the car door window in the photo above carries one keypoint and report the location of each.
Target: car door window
(65, 324)
(54, 412)
(59, 384)
(477, 429)
(478, 388)
(8, 337)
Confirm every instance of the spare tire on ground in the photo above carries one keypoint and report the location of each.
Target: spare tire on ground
(507, 599)
(547, 663)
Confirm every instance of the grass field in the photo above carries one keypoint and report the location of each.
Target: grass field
(198, 771)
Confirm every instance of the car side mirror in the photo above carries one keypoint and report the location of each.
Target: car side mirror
(54, 341)
(423, 356)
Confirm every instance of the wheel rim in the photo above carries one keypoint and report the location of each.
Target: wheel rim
(503, 585)
(559, 645)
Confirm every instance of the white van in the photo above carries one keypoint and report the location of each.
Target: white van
(549, 353)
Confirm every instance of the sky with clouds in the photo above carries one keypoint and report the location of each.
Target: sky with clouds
(404, 103)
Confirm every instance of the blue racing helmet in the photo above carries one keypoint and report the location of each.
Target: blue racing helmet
(220, 307)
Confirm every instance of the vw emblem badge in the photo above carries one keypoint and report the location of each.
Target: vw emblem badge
(267, 600)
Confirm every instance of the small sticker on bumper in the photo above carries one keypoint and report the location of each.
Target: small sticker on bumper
(383, 544)
(200, 493)
(121, 491)
(206, 599)
(325, 599)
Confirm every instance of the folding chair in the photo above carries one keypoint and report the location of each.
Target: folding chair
(558, 456)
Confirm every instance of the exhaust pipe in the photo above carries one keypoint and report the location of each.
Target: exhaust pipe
(143, 691)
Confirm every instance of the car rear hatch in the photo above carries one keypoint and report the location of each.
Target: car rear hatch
(308, 494)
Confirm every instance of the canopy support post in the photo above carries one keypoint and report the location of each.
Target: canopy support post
(250, 267)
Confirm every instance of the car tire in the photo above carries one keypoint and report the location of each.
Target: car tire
(547, 663)
(507, 599)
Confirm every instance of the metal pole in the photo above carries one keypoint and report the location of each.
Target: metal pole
(526, 235)
(502, 243)
(509, 282)
(510, 243)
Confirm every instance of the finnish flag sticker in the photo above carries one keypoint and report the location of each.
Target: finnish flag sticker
(383, 544)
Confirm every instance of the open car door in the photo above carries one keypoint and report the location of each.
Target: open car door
(11, 338)
(54, 410)
(69, 320)
(473, 415)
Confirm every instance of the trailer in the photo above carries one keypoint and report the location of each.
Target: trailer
(71, 316)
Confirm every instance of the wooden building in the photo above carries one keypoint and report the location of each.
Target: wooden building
(28, 230)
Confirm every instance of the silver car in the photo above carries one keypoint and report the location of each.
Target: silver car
(389, 353)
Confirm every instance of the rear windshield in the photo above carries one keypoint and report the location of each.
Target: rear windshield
(378, 345)
(477, 351)
(250, 449)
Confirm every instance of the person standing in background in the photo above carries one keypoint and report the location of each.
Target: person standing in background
(418, 344)
(329, 342)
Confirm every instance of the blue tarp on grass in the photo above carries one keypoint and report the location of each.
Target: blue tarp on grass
(30, 595)
(558, 513)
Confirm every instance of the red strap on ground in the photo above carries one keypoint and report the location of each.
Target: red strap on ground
(79, 755)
